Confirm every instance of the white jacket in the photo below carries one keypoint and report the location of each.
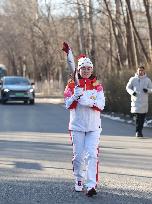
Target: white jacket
(139, 103)
(85, 112)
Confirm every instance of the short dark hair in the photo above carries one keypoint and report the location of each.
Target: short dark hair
(141, 67)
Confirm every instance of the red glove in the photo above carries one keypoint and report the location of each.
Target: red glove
(65, 47)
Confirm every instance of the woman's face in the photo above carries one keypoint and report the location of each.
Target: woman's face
(85, 72)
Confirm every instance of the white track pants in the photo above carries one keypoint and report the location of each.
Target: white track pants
(85, 147)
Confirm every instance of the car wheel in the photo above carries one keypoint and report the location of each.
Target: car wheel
(3, 101)
(32, 101)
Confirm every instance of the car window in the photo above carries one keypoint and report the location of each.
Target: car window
(16, 81)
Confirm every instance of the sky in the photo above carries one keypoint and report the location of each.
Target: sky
(57, 5)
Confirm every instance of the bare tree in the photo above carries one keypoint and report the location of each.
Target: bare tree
(91, 31)
(147, 58)
(149, 20)
(81, 27)
(117, 32)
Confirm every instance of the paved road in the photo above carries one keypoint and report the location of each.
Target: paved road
(35, 162)
(48, 118)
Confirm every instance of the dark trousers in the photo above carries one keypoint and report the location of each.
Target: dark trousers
(139, 119)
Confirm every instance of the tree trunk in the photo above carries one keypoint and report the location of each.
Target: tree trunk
(12, 61)
(115, 33)
(136, 32)
(149, 20)
(81, 28)
(91, 32)
(131, 48)
(121, 45)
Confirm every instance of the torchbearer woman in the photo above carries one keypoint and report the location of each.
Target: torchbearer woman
(85, 103)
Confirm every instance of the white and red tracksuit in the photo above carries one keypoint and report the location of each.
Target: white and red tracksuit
(85, 127)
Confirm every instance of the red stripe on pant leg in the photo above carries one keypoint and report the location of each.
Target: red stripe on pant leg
(70, 136)
(72, 146)
(97, 171)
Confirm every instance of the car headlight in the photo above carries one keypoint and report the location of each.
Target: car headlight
(31, 90)
(6, 90)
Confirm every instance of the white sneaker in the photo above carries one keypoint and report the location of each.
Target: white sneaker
(79, 186)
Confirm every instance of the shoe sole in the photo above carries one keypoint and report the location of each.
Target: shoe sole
(79, 190)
